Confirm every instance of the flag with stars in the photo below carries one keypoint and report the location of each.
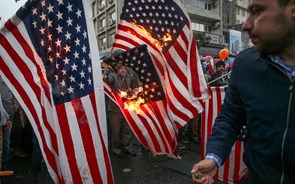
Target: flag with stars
(234, 169)
(50, 63)
(150, 122)
(165, 27)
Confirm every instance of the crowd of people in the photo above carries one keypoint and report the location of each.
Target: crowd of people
(16, 134)
(122, 78)
(218, 76)
(15, 126)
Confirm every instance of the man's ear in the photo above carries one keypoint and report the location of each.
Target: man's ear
(292, 8)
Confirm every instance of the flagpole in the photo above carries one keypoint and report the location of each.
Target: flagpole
(219, 78)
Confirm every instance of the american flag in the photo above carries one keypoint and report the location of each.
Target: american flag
(47, 59)
(164, 26)
(210, 64)
(234, 169)
(150, 124)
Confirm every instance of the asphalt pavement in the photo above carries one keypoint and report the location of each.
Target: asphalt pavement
(141, 169)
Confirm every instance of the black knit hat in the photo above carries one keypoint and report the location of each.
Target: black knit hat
(219, 63)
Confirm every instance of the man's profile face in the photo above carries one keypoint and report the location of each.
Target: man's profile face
(269, 26)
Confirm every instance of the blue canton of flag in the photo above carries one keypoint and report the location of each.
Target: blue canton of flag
(161, 18)
(59, 34)
(141, 62)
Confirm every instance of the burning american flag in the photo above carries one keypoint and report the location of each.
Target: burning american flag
(164, 26)
(148, 119)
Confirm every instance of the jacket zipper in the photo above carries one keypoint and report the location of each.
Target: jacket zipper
(286, 130)
(288, 119)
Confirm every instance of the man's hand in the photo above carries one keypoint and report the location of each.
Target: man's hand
(204, 171)
(8, 125)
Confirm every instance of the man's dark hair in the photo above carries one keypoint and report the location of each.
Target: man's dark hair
(283, 3)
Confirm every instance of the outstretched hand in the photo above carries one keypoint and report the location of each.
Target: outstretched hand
(8, 125)
(203, 171)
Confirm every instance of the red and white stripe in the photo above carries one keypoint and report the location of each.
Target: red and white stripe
(179, 69)
(151, 126)
(70, 134)
(234, 168)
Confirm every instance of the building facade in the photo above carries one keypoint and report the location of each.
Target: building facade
(105, 17)
(206, 18)
(234, 15)
(211, 20)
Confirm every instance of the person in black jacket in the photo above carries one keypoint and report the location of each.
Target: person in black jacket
(260, 94)
(119, 81)
(219, 77)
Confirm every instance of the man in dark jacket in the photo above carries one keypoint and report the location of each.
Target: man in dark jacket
(219, 78)
(119, 81)
(261, 94)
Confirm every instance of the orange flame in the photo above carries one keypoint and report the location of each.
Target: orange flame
(123, 94)
(134, 105)
(148, 35)
(167, 37)
(132, 102)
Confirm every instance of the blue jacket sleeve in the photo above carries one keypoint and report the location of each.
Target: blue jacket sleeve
(230, 120)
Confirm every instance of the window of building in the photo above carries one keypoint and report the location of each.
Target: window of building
(112, 38)
(243, 12)
(226, 36)
(185, 1)
(102, 24)
(102, 3)
(103, 43)
(207, 28)
(207, 6)
(198, 4)
(237, 10)
(113, 18)
(201, 27)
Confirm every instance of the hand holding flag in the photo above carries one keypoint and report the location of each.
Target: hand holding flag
(149, 122)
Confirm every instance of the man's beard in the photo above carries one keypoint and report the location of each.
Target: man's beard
(280, 39)
(277, 45)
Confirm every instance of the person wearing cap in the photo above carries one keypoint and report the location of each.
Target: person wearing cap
(217, 79)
